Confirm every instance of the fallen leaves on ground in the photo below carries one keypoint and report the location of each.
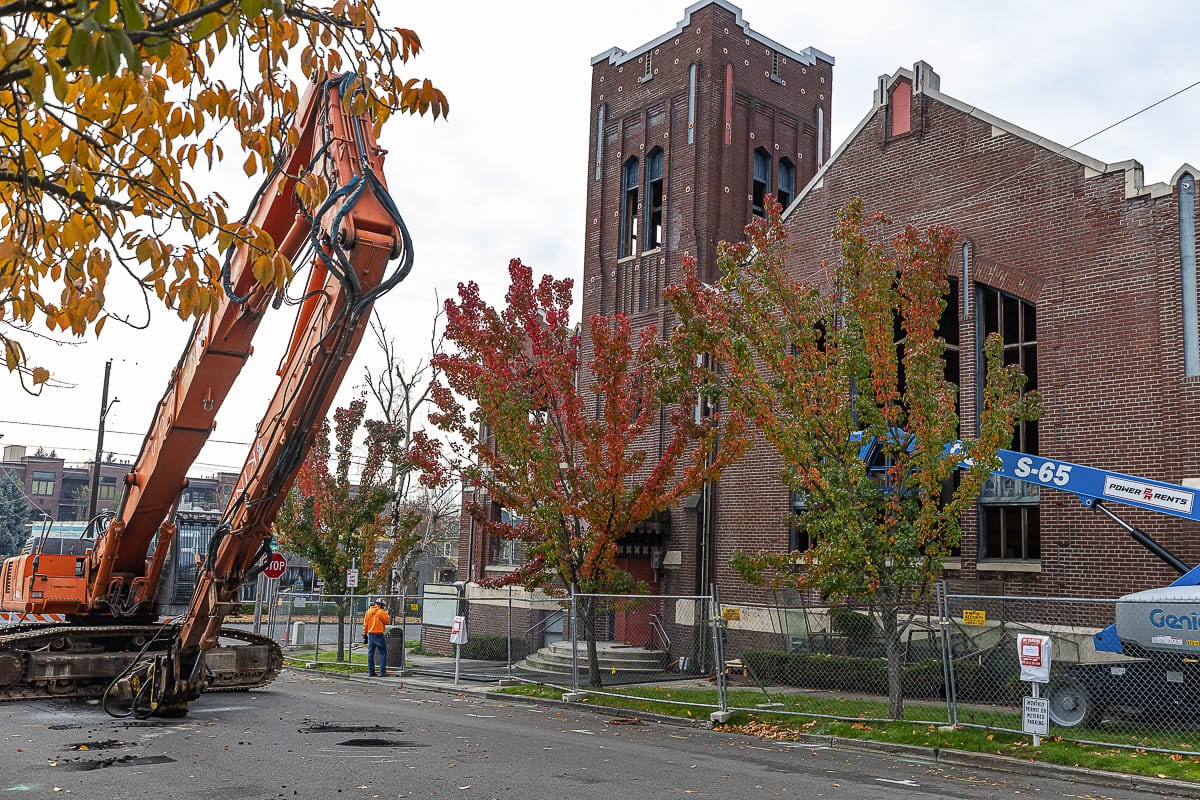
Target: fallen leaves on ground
(763, 730)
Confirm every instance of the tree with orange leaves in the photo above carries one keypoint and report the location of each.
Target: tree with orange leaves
(109, 108)
(578, 464)
(819, 367)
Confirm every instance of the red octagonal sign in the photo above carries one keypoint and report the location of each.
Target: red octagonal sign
(276, 566)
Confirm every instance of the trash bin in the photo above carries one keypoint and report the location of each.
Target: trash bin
(394, 636)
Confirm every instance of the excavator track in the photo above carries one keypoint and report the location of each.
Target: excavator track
(57, 661)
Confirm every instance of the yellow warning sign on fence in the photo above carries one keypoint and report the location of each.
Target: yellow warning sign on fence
(731, 614)
(974, 617)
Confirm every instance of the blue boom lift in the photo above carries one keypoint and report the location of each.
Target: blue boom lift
(1157, 630)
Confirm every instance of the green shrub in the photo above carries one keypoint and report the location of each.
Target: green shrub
(843, 673)
(852, 624)
(924, 679)
(491, 647)
(765, 666)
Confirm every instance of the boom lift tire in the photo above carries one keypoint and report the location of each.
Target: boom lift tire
(1072, 704)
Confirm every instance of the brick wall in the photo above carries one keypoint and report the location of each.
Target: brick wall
(1103, 272)
(1101, 268)
(707, 181)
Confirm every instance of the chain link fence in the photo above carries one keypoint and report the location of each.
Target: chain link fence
(620, 641)
(318, 627)
(952, 660)
(594, 641)
(843, 662)
(1147, 697)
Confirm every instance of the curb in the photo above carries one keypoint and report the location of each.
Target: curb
(959, 758)
(1094, 776)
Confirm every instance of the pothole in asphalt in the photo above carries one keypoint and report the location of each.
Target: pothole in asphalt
(119, 761)
(64, 727)
(378, 743)
(325, 728)
(107, 744)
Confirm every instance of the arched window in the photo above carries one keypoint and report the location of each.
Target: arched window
(1010, 526)
(787, 183)
(629, 207)
(654, 198)
(762, 181)
(820, 136)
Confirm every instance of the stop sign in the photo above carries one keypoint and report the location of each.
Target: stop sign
(276, 566)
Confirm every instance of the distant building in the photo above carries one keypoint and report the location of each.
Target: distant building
(60, 492)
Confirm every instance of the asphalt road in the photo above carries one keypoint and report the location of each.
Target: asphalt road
(311, 736)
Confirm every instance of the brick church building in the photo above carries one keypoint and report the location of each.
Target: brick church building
(1088, 274)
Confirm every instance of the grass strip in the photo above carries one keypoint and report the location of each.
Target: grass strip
(1138, 758)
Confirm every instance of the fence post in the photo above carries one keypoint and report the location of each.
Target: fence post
(351, 638)
(574, 643)
(317, 642)
(287, 628)
(271, 613)
(403, 627)
(947, 653)
(719, 649)
(510, 659)
(258, 603)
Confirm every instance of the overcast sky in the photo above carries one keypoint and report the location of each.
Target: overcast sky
(505, 175)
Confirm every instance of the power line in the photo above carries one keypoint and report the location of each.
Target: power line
(93, 430)
(1063, 149)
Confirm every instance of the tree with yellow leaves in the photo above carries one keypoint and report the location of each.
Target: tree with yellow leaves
(110, 108)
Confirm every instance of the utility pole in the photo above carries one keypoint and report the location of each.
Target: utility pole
(104, 407)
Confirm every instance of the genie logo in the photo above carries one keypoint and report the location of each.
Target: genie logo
(1159, 618)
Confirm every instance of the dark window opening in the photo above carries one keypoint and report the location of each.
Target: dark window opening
(762, 181)
(799, 539)
(629, 208)
(948, 332)
(1012, 532)
(502, 551)
(654, 194)
(787, 183)
(1009, 530)
(1016, 322)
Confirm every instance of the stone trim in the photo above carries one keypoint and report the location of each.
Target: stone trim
(808, 56)
(929, 86)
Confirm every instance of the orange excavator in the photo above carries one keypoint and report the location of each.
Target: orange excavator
(113, 643)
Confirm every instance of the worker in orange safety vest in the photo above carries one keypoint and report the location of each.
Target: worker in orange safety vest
(374, 624)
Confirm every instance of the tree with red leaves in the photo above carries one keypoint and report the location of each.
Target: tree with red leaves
(813, 363)
(578, 464)
(335, 523)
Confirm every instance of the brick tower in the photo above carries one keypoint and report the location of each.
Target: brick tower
(688, 133)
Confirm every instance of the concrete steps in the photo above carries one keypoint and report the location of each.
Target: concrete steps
(624, 658)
